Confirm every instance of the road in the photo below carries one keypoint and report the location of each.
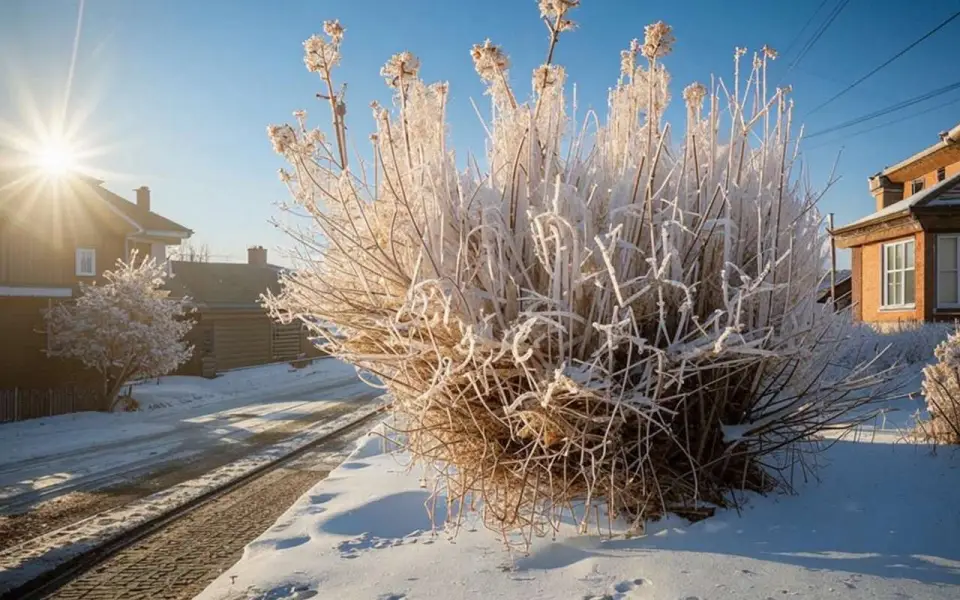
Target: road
(90, 462)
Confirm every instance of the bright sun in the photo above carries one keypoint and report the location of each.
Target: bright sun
(55, 159)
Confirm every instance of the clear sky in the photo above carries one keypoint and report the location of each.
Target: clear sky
(177, 93)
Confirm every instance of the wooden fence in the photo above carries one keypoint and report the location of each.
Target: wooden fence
(20, 404)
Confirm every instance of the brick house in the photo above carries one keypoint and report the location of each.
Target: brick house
(906, 255)
(54, 235)
(233, 330)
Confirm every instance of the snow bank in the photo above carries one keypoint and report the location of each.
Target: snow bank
(281, 378)
(182, 398)
(880, 524)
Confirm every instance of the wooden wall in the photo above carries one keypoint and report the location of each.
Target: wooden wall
(23, 363)
(39, 239)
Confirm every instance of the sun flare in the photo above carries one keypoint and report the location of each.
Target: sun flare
(56, 158)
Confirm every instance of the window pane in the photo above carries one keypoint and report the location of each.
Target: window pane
(898, 256)
(908, 287)
(908, 248)
(888, 262)
(947, 253)
(946, 287)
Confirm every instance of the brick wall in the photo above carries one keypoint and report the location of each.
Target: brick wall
(930, 178)
(871, 286)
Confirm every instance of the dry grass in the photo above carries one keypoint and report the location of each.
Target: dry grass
(941, 387)
(598, 316)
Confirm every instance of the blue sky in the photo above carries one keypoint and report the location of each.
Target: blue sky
(178, 92)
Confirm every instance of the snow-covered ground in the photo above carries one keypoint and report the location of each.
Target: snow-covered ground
(881, 523)
(41, 459)
(34, 557)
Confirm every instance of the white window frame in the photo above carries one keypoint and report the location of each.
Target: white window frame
(915, 184)
(941, 174)
(955, 236)
(884, 303)
(81, 254)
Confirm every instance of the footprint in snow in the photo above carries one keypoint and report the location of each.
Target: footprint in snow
(622, 590)
(392, 597)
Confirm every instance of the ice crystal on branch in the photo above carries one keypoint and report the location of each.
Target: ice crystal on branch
(128, 328)
(489, 60)
(401, 67)
(595, 314)
(657, 40)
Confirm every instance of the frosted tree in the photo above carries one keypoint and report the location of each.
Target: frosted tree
(596, 314)
(128, 328)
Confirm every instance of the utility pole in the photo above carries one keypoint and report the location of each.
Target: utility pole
(833, 262)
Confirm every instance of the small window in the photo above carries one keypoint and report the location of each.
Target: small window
(941, 173)
(916, 186)
(86, 262)
(899, 285)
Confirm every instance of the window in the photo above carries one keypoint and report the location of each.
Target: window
(898, 274)
(948, 290)
(916, 186)
(941, 173)
(86, 262)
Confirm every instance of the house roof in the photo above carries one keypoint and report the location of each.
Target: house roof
(15, 181)
(223, 285)
(145, 219)
(945, 193)
(948, 139)
(842, 275)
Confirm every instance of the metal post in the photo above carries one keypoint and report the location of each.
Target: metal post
(833, 261)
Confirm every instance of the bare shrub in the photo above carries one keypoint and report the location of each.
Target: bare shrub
(598, 316)
(941, 388)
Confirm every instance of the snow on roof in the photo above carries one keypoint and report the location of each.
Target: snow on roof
(948, 189)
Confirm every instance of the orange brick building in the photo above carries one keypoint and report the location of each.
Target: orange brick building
(906, 255)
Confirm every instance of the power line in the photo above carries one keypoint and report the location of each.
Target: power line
(889, 109)
(888, 123)
(888, 61)
(842, 4)
(797, 37)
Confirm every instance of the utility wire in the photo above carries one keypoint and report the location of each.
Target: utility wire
(889, 109)
(888, 61)
(842, 4)
(815, 37)
(802, 29)
(886, 124)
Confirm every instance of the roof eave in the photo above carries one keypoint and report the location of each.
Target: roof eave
(846, 229)
(949, 138)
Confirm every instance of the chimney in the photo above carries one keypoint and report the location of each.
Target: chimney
(143, 197)
(884, 191)
(257, 255)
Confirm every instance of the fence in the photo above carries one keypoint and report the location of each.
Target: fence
(20, 404)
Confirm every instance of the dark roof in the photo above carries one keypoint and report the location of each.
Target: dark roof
(842, 275)
(944, 194)
(844, 286)
(223, 285)
(147, 219)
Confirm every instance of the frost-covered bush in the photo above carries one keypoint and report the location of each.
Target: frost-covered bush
(906, 344)
(598, 314)
(941, 388)
(125, 329)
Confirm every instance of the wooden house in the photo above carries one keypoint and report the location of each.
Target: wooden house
(56, 233)
(233, 330)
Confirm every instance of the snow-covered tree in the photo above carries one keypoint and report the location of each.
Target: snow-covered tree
(128, 328)
(598, 312)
